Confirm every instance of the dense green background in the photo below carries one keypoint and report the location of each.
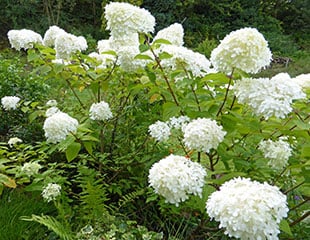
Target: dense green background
(286, 24)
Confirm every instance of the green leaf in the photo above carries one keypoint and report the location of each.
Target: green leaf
(143, 57)
(161, 41)
(9, 182)
(285, 227)
(305, 151)
(164, 55)
(170, 110)
(72, 151)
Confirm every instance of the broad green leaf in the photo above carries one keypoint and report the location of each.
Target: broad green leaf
(305, 151)
(143, 57)
(285, 227)
(72, 151)
(89, 147)
(164, 55)
(170, 109)
(7, 181)
(161, 41)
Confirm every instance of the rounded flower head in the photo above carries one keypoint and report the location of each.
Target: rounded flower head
(278, 152)
(51, 192)
(269, 97)
(51, 34)
(203, 134)
(67, 44)
(175, 177)
(245, 49)
(14, 140)
(303, 80)
(9, 102)
(160, 131)
(248, 209)
(174, 34)
(100, 111)
(183, 58)
(31, 168)
(58, 126)
(123, 18)
(23, 38)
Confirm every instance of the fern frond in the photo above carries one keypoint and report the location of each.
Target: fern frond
(52, 224)
(130, 197)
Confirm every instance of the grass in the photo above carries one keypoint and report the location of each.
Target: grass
(16, 203)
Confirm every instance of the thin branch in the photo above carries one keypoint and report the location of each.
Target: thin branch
(226, 94)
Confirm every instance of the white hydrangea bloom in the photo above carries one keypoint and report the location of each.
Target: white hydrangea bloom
(58, 126)
(51, 111)
(175, 177)
(303, 80)
(178, 122)
(248, 209)
(31, 168)
(104, 45)
(203, 134)
(160, 131)
(51, 34)
(24, 38)
(268, 97)
(100, 111)
(245, 49)
(174, 34)
(51, 103)
(278, 152)
(66, 44)
(10, 102)
(184, 58)
(124, 18)
(104, 60)
(51, 192)
(14, 140)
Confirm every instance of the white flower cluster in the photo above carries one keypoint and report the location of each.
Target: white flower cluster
(51, 34)
(178, 122)
(125, 21)
(51, 111)
(10, 102)
(245, 49)
(160, 131)
(175, 177)
(183, 58)
(51, 103)
(64, 43)
(248, 209)
(14, 140)
(278, 152)
(31, 168)
(24, 39)
(303, 80)
(67, 44)
(269, 97)
(124, 18)
(58, 125)
(174, 34)
(100, 111)
(203, 134)
(51, 192)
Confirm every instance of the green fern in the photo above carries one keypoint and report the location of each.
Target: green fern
(93, 195)
(52, 224)
(130, 197)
